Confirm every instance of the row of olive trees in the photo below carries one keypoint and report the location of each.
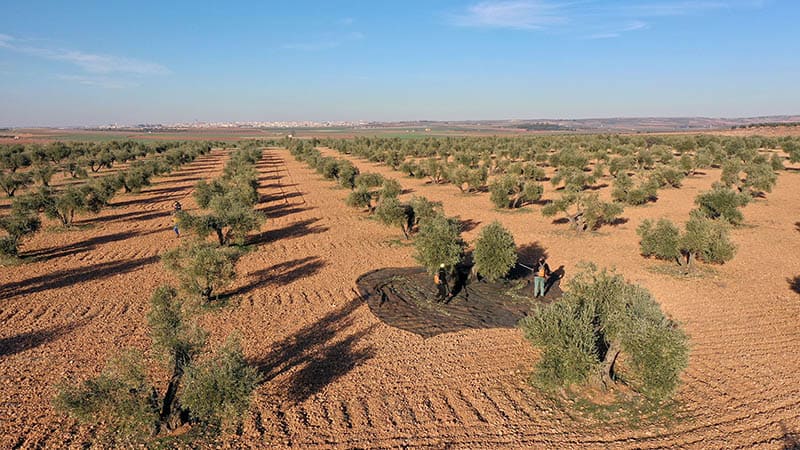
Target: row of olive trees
(22, 166)
(229, 201)
(208, 392)
(90, 197)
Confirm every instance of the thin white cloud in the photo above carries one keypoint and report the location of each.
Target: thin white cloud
(324, 44)
(617, 32)
(88, 62)
(515, 14)
(591, 19)
(5, 41)
(685, 8)
(98, 81)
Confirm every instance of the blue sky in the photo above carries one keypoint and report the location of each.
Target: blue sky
(92, 62)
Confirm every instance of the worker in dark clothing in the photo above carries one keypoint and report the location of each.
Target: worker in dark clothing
(175, 219)
(440, 279)
(540, 277)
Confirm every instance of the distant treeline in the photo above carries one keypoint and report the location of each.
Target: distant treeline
(767, 124)
(542, 126)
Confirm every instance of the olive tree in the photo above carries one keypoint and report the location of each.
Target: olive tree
(12, 181)
(203, 268)
(438, 242)
(722, 203)
(495, 252)
(703, 239)
(208, 395)
(510, 191)
(604, 332)
(18, 224)
(584, 211)
(393, 213)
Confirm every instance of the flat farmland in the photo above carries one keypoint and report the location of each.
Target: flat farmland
(337, 377)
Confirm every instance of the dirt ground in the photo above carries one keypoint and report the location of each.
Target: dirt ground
(337, 377)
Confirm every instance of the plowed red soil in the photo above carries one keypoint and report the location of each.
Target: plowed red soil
(337, 377)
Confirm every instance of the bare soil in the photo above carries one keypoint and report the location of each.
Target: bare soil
(339, 377)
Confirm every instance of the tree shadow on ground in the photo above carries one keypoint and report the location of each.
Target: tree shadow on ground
(791, 440)
(133, 215)
(282, 273)
(78, 247)
(282, 196)
(467, 225)
(166, 190)
(527, 255)
(318, 354)
(794, 283)
(297, 229)
(69, 277)
(32, 339)
(797, 226)
(148, 200)
(619, 221)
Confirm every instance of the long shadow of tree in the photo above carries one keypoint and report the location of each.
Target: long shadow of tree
(318, 354)
(297, 229)
(527, 255)
(791, 440)
(69, 277)
(282, 273)
(794, 284)
(78, 247)
(26, 341)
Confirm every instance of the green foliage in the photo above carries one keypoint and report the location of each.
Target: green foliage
(759, 177)
(18, 224)
(708, 240)
(565, 334)
(624, 191)
(360, 198)
(434, 169)
(703, 239)
(11, 182)
(230, 219)
(722, 203)
(135, 178)
(468, 179)
(776, 162)
(62, 205)
(43, 173)
(661, 240)
(667, 176)
(512, 191)
(584, 211)
(202, 268)
(606, 330)
(173, 337)
(347, 174)
(424, 209)
(204, 192)
(495, 252)
(217, 393)
(390, 189)
(393, 213)
(438, 242)
(368, 180)
(120, 398)
(213, 395)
